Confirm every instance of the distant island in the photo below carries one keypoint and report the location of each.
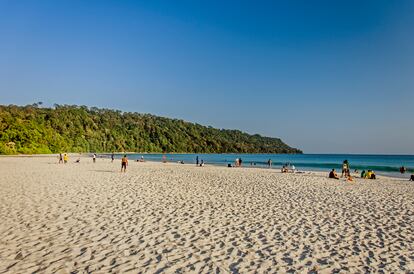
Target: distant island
(33, 129)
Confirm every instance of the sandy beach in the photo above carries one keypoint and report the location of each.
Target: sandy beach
(171, 218)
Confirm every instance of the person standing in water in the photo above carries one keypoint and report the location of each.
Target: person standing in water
(124, 163)
(269, 163)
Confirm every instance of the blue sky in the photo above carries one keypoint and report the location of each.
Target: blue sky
(325, 76)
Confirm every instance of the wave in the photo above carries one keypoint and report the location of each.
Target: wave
(309, 164)
(326, 166)
(339, 166)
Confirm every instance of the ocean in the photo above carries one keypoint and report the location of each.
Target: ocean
(381, 164)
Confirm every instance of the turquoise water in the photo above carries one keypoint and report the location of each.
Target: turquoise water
(382, 164)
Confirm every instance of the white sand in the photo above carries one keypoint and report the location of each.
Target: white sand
(179, 218)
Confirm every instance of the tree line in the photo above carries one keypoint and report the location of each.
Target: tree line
(33, 129)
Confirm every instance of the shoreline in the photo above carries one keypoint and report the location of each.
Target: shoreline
(393, 175)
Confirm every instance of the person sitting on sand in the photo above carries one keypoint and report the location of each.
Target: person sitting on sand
(370, 175)
(77, 161)
(412, 177)
(284, 169)
(333, 174)
(124, 163)
(349, 178)
(363, 174)
(202, 163)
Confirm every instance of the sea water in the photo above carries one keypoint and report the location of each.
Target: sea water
(381, 164)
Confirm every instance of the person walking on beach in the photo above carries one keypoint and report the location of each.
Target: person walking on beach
(60, 158)
(197, 160)
(124, 163)
(65, 158)
(94, 157)
(112, 157)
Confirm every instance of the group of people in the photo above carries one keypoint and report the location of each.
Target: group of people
(368, 175)
(345, 172)
(238, 162)
(141, 160)
(334, 175)
(269, 163)
(198, 162)
(288, 167)
(63, 159)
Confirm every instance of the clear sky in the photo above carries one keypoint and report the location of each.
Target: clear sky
(325, 76)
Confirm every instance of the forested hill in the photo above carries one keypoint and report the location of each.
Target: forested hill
(32, 129)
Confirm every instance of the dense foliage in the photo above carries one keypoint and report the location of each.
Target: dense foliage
(32, 129)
